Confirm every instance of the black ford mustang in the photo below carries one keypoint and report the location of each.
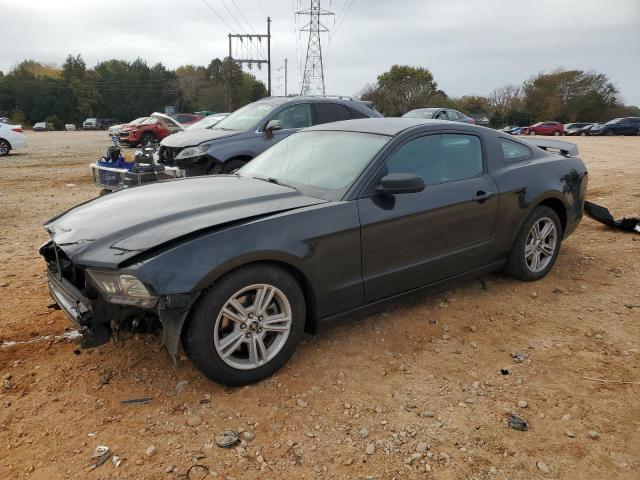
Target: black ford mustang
(329, 222)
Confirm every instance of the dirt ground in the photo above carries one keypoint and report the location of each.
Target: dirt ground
(413, 392)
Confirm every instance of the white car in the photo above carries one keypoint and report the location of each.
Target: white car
(70, 127)
(11, 137)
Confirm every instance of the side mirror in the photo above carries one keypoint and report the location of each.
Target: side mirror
(271, 126)
(396, 183)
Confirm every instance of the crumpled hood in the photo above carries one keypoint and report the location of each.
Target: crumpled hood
(109, 230)
(189, 138)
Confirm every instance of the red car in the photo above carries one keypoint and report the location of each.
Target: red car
(153, 129)
(185, 119)
(544, 128)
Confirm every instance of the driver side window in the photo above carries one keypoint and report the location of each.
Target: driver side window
(439, 158)
(294, 116)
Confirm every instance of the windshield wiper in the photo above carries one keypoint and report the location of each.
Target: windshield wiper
(273, 180)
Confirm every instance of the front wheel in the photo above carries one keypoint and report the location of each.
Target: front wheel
(610, 133)
(532, 132)
(556, 134)
(147, 138)
(232, 166)
(246, 326)
(537, 245)
(5, 148)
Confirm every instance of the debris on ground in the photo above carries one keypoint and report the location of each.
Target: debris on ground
(602, 215)
(227, 439)
(116, 461)
(517, 423)
(137, 401)
(520, 357)
(101, 454)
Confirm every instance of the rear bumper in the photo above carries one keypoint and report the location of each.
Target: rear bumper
(20, 141)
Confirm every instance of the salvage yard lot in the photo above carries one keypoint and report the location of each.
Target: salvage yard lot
(413, 392)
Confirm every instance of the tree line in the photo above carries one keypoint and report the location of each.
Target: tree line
(35, 92)
(562, 95)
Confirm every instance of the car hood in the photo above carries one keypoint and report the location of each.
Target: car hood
(109, 230)
(189, 138)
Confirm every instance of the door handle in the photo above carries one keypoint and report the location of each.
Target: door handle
(482, 196)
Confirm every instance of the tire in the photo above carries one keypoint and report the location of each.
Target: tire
(556, 134)
(5, 148)
(610, 133)
(103, 192)
(147, 138)
(532, 132)
(232, 165)
(207, 327)
(583, 134)
(522, 267)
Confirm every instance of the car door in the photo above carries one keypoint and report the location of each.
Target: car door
(292, 117)
(414, 239)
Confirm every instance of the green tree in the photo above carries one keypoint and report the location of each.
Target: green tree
(401, 89)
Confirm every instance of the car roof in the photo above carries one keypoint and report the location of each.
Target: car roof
(311, 98)
(381, 126)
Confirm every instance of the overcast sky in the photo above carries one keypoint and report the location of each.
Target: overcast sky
(471, 46)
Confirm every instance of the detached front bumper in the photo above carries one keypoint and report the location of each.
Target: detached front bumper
(69, 299)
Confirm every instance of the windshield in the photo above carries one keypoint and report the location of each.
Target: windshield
(149, 121)
(321, 164)
(611, 122)
(420, 114)
(246, 117)
(206, 122)
(138, 121)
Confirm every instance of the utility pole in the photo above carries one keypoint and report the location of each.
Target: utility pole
(313, 77)
(251, 61)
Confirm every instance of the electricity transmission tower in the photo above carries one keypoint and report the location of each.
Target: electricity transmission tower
(313, 77)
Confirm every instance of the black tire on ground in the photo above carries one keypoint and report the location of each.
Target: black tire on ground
(516, 264)
(5, 148)
(232, 165)
(103, 192)
(199, 330)
(147, 138)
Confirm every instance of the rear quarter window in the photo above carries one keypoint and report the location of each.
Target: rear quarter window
(513, 152)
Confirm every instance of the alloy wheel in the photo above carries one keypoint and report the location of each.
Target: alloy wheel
(541, 244)
(252, 326)
(4, 148)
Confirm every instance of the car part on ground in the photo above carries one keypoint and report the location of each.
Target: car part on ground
(331, 222)
(11, 138)
(438, 113)
(602, 215)
(247, 132)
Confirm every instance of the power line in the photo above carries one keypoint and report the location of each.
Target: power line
(217, 14)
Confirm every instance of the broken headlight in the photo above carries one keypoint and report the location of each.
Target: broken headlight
(191, 152)
(122, 288)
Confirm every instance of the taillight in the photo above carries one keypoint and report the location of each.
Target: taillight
(17, 129)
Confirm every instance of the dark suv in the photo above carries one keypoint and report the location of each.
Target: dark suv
(250, 130)
(617, 126)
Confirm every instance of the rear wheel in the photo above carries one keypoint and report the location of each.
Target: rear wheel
(556, 133)
(5, 148)
(246, 326)
(233, 166)
(537, 245)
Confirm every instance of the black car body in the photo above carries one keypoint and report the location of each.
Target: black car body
(578, 129)
(367, 230)
(617, 126)
(243, 135)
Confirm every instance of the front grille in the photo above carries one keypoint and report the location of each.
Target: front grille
(61, 266)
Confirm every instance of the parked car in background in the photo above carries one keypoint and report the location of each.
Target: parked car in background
(207, 122)
(153, 129)
(574, 129)
(70, 127)
(11, 138)
(617, 126)
(115, 130)
(90, 124)
(105, 123)
(185, 119)
(4, 120)
(511, 130)
(544, 128)
(42, 126)
(434, 113)
(330, 222)
(252, 129)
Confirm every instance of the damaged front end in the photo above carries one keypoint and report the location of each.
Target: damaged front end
(108, 304)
